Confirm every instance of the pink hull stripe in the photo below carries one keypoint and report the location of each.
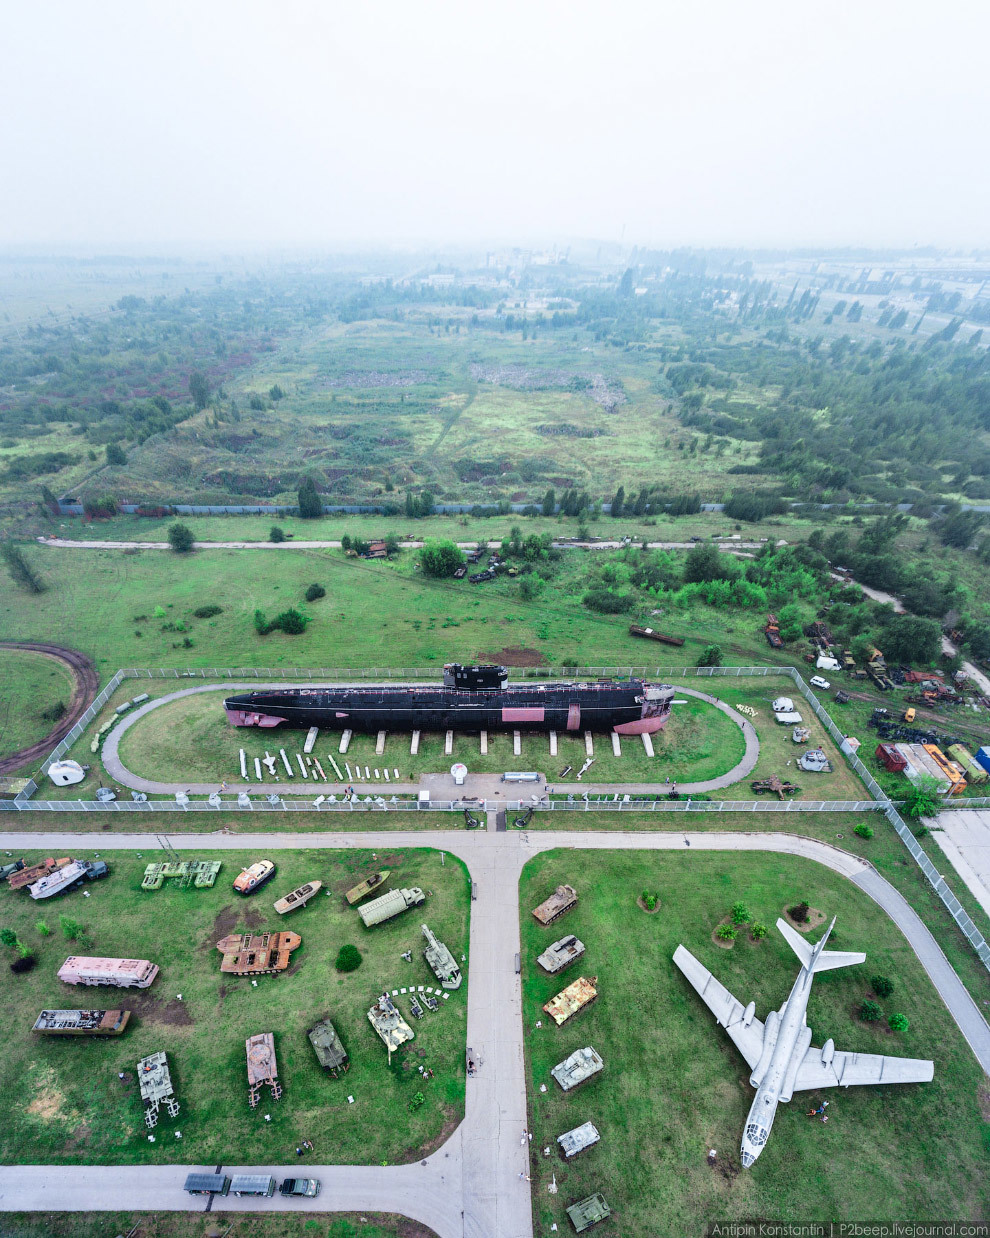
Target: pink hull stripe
(522, 714)
(241, 717)
(641, 726)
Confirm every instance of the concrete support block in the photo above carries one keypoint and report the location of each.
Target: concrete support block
(345, 739)
(484, 743)
(516, 744)
(311, 738)
(616, 746)
(647, 743)
(380, 744)
(589, 744)
(414, 744)
(448, 744)
(553, 743)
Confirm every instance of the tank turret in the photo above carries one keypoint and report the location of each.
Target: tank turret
(442, 961)
(155, 1082)
(327, 1046)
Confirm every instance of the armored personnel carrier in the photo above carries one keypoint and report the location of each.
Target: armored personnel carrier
(561, 955)
(327, 1046)
(389, 1024)
(442, 961)
(298, 897)
(262, 1067)
(560, 901)
(581, 993)
(575, 1141)
(70, 877)
(364, 888)
(81, 1022)
(247, 954)
(391, 904)
(155, 1083)
(574, 1070)
(587, 1212)
(25, 876)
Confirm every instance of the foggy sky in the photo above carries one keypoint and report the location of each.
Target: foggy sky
(296, 123)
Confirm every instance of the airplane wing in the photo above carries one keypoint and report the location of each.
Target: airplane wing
(846, 1069)
(746, 1034)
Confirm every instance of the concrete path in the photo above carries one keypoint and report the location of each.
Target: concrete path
(71, 543)
(118, 771)
(964, 837)
(470, 1187)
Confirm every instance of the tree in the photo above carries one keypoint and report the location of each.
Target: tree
(199, 389)
(21, 572)
(898, 1023)
(909, 639)
(275, 393)
(549, 503)
(310, 504)
(882, 986)
(711, 655)
(292, 622)
(961, 529)
(276, 534)
(923, 800)
(440, 559)
(706, 562)
(115, 454)
(789, 618)
(348, 958)
(870, 1012)
(180, 538)
(618, 501)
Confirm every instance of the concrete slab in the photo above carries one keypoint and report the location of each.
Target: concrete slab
(414, 744)
(964, 838)
(484, 743)
(616, 746)
(345, 740)
(516, 744)
(589, 744)
(448, 744)
(311, 738)
(648, 744)
(553, 743)
(380, 744)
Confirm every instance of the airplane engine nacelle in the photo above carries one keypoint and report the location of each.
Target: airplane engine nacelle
(828, 1051)
(771, 1028)
(748, 1014)
(797, 1057)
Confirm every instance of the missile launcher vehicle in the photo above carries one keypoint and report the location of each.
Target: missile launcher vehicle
(81, 1022)
(441, 961)
(561, 955)
(155, 1083)
(329, 1049)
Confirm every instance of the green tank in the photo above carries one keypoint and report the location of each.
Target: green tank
(327, 1046)
(587, 1212)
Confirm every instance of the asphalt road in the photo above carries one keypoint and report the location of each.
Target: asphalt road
(470, 1187)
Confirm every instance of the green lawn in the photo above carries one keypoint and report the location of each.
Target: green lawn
(60, 1098)
(192, 1225)
(674, 1085)
(29, 685)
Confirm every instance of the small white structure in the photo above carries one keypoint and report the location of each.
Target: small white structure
(825, 663)
(792, 718)
(783, 705)
(458, 771)
(65, 773)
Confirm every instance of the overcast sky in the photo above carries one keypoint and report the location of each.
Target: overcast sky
(690, 122)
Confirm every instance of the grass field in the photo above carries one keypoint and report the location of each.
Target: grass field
(32, 684)
(674, 1086)
(61, 1100)
(193, 1225)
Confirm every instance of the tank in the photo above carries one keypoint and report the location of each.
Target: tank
(364, 888)
(389, 1024)
(575, 1141)
(81, 1022)
(561, 955)
(298, 897)
(257, 954)
(327, 1046)
(198, 873)
(559, 902)
(588, 1211)
(441, 961)
(155, 1083)
(67, 878)
(262, 1067)
(577, 996)
(26, 876)
(389, 905)
(574, 1070)
(124, 973)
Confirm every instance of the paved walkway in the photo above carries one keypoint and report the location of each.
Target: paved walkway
(118, 771)
(470, 1187)
(964, 836)
(71, 543)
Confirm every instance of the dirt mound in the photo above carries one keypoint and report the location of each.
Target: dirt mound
(152, 1009)
(516, 655)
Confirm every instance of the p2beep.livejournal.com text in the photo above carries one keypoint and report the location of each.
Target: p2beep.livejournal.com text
(849, 1229)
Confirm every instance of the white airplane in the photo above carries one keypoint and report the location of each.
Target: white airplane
(779, 1052)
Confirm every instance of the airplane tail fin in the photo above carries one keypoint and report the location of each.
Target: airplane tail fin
(815, 958)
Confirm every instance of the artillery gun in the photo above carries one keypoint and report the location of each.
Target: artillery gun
(520, 823)
(441, 961)
(415, 1009)
(155, 1083)
(774, 785)
(472, 821)
(262, 1067)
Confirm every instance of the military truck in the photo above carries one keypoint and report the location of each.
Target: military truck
(257, 954)
(262, 1067)
(560, 901)
(155, 1083)
(574, 1141)
(441, 961)
(389, 1024)
(574, 1070)
(391, 904)
(561, 954)
(588, 1211)
(577, 996)
(81, 1022)
(329, 1049)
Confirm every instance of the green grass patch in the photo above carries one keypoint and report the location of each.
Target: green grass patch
(30, 685)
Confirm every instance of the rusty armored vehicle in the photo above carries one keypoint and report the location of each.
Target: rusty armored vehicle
(561, 954)
(124, 973)
(257, 954)
(588, 1211)
(577, 996)
(81, 1022)
(262, 1067)
(574, 1070)
(364, 888)
(391, 904)
(329, 1049)
(155, 1083)
(25, 876)
(298, 897)
(70, 877)
(389, 1024)
(442, 962)
(560, 901)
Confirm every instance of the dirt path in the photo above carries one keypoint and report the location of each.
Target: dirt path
(87, 684)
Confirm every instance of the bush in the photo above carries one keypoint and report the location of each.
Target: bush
(799, 913)
(870, 1012)
(923, 800)
(314, 592)
(71, 929)
(290, 621)
(882, 986)
(8, 937)
(606, 603)
(759, 931)
(180, 538)
(898, 1023)
(650, 899)
(348, 958)
(207, 612)
(863, 830)
(711, 655)
(440, 559)
(275, 534)
(42, 927)
(54, 712)
(727, 932)
(740, 913)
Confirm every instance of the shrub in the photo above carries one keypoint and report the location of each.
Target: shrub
(348, 958)
(54, 712)
(440, 558)
(882, 986)
(72, 929)
(261, 625)
(727, 932)
(898, 1023)
(290, 621)
(650, 899)
(180, 538)
(606, 603)
(21, 572)
(417, 1100)
(799, 913)
(863, 830)
(207, 612)
(759, 931)
(711, 655)
(740, 913)
(870, 1012)
(8, 937)
(923, 800)
(275, 534)
(314, 592)
(43, 927)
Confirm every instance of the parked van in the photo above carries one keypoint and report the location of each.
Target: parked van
(252, 1184)
(207, 1184)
